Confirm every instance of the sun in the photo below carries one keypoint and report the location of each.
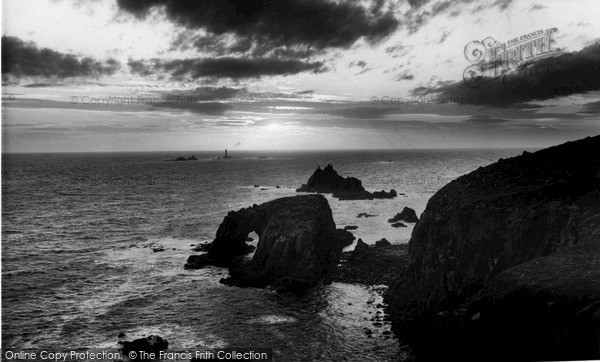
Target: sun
(273, 127)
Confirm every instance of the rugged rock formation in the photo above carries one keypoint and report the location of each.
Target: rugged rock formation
(495, 242)
(191, 158)
(407, 214)
(328, 181)
(150, 344)
(372, 265)
(298, 243)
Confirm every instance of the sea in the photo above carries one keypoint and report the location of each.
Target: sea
(82, 234)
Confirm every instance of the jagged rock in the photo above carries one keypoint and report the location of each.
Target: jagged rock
(364, 214)
(151, 344)
(361, 246)
(515, 241)
(372, 265)
(298, 243)
(382, 242)
(398, 225)
(328, 181)
(407, 215)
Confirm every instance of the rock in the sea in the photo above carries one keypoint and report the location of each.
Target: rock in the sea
(328, 181)
(350, 227)
(407, 215)
(514, 241)
(151, 344)
(398, 225)
(298, 243)
(364, 214)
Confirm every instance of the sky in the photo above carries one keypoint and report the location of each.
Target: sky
(159, 75)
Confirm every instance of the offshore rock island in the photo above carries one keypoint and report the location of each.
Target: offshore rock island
(328, 181)
(504, 262)
(299, 245)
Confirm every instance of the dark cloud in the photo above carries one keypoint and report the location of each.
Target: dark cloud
(592, 108)
(417, 3)
(502, 4)
(43, 85)
(546, 78)
(360, 64)
(440, 7)
(406, 75)
(27, 59)
(537, 7)
(210, 108)
(485, 120)
(444, 36)
(317, 24)
(208, 93)
(225, 67)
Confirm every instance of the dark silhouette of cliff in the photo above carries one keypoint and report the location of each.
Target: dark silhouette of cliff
(504, 262)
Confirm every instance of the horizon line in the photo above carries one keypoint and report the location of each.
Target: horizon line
(221, 151)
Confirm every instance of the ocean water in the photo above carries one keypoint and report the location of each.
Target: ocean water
(78, 233)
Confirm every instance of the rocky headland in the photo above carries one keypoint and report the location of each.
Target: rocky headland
(504, 262)
(298, 247)
(328, 181)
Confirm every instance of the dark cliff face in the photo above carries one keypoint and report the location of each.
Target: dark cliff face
(328, 181)
(298, 243)
(498, 217)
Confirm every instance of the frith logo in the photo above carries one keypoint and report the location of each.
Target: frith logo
(492, 59)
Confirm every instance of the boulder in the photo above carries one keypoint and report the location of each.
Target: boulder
(298, 244)
(328, 181)
(407, 215)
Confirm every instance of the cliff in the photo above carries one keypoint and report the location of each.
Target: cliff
(328, 181)
(298, 245)
(479, 229)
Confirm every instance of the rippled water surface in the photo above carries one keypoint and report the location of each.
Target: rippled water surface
(78, 233)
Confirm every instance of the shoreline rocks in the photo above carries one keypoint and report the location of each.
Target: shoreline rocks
(151, 344)
(328, 181)
(372, 264)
